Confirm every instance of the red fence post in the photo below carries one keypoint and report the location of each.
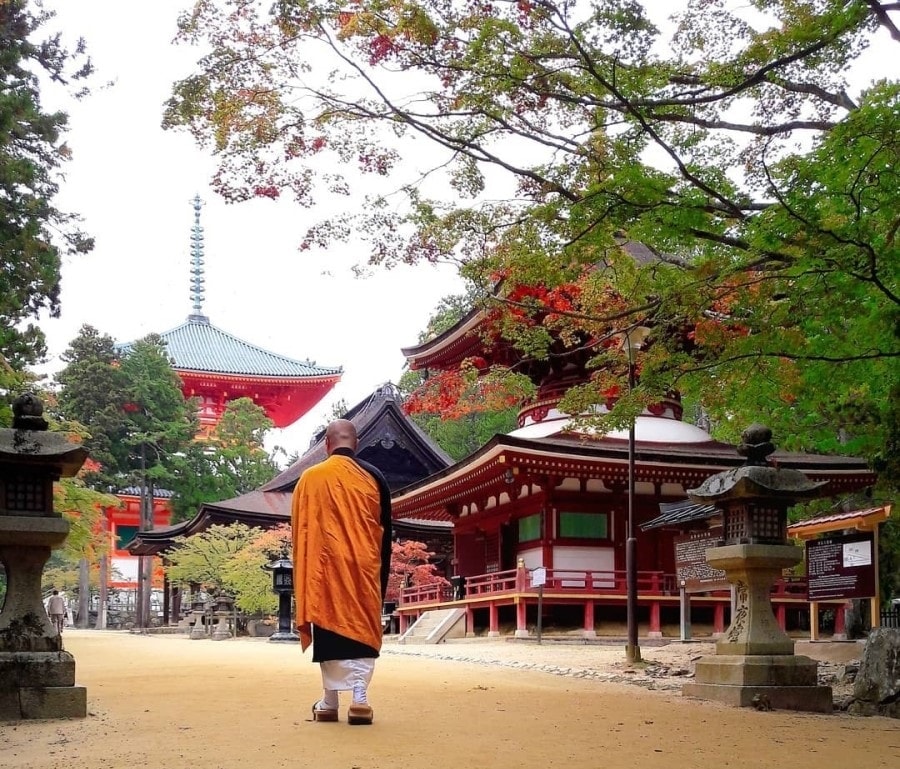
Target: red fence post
(840, 627)
(521, 576)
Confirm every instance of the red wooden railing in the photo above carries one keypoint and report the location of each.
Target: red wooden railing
(496, 582)
(569, 581)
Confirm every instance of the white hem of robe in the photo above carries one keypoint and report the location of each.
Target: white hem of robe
(343, 675)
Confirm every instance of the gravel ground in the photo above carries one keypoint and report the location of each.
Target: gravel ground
(664, 667)
(167, 701)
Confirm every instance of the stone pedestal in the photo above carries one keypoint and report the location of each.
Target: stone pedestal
(25, 545)
(755, 664)
(37, 678)
(222, 629)
(40, 685)
(198, 628)
(753, 570)
(779, 681)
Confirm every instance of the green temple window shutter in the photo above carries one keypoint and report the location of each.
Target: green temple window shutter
(530, 528)
(584, 525)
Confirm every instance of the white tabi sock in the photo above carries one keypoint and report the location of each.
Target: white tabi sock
(329, 700)
(359, 694)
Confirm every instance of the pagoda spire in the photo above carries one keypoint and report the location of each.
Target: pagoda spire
(197, 277)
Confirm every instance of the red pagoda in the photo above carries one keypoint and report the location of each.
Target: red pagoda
(217, 367)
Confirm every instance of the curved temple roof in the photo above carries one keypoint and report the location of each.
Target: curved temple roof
(462, 339)
(197, 345)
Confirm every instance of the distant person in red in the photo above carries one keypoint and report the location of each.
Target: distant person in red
(341, 531)
(56, 608)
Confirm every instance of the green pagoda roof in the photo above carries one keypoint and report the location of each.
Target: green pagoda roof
(198, 345)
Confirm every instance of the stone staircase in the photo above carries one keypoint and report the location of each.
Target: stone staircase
(436, 626)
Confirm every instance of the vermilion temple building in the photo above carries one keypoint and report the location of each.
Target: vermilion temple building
(217, 367)
(550, 494)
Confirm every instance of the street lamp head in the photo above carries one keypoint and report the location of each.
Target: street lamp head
(633, 338)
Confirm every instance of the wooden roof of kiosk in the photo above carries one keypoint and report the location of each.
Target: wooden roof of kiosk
(388, 439)
(867, 519)
(217, 366)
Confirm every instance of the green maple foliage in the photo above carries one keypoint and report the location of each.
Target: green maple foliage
(532, 141)
(245, 576)
(205, 558)
(130, 405)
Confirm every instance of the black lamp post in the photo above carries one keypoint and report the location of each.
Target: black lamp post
(283, 584)
(633, 339)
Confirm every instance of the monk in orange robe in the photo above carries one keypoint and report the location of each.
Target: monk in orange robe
(341, 531)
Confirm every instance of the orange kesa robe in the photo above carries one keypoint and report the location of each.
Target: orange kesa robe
(337, 545)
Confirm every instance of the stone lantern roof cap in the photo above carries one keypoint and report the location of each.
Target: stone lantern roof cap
(756, 479)
(30, 442)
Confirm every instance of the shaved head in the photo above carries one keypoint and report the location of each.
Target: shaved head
(341, 433)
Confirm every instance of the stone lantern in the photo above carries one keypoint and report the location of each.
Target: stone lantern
(283, 586)
(755, 662)
(37, 677)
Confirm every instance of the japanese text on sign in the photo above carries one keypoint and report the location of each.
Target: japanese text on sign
(841, 567)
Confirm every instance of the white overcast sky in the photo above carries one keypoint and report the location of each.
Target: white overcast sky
(133, 184)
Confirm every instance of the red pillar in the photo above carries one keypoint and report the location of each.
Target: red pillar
(403, 624)
(719, 618)
(589, 631)
(781, 615)
(521, 623)
(840, 627)
(493, 621)
(470, 621)
(655, 623)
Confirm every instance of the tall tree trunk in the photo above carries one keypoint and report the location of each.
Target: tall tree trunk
(84, 594)
(103, 592)
(147, 575)
(142, 599)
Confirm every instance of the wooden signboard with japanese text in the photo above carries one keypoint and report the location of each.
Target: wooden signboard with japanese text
(841, 566)
(692, 572)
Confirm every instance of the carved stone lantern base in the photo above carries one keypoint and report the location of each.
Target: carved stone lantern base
(755, 664)
(37, 678)
(753, 570)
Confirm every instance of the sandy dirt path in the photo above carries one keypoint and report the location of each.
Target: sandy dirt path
(168, 702)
